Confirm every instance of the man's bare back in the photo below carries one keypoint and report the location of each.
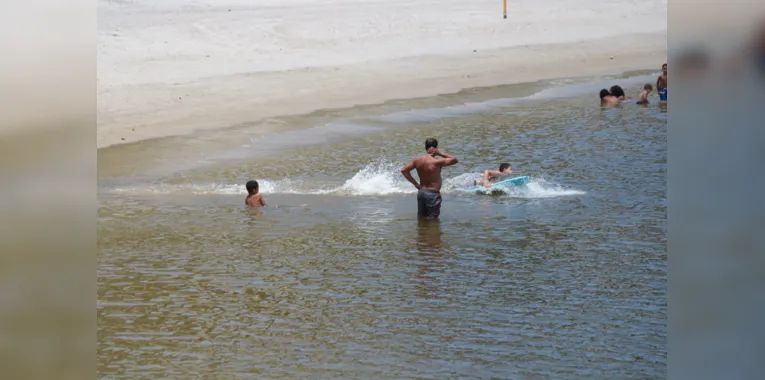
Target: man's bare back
(429, 170)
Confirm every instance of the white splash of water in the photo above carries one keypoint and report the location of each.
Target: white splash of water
(376, 179)
(541, 188)
(380, 178)
(535, 189)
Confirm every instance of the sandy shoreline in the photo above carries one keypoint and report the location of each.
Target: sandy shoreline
(135, 105)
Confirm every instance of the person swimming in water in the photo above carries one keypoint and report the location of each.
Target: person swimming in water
(491, 176)
(254, 197)
(618, 92)
(607, 98)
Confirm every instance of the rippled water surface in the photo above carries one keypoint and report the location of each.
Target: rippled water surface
(562, 279)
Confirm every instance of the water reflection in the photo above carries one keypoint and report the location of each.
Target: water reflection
(254, 212)
(429, 236)
(431, 257)
(357, 286)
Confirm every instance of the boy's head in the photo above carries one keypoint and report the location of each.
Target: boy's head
(664, 68)
(505, 166)
(617, 91)
(431, 144)
(604, 93)
(648, 87)
(252, 187)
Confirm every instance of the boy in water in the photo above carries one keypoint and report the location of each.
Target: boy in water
(607, 98)
(491, 176)
(254, 198)
(643, 97)
(661, 83)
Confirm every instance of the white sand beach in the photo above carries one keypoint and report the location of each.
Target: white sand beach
(172, 67)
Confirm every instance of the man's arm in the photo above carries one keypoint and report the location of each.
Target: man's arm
(406, 171)
(448, 159)
(262, 201)
(487, 173)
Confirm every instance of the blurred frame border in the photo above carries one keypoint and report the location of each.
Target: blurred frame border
(48, 198)
(716, 212)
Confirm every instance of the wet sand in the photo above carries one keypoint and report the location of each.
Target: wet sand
(177, 67)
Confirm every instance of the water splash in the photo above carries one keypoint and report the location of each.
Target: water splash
(542, 188)
(376, 179)
(538, 187)
(381, 178)
(460, 182)
(266, 187)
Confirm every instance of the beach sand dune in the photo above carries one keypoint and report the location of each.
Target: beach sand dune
(172, 67)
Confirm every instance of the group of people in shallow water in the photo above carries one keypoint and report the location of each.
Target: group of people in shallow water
(429, 164)
(616, 94)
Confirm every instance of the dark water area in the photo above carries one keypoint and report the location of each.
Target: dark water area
(564, 278)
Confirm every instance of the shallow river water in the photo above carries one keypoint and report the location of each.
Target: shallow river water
(564, 278)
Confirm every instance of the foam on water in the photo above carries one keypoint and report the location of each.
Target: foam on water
(266, 187)
(381, 178)
(376, 179)
(540, 188)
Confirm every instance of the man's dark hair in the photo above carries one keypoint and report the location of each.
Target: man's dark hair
(648, 86)
(504, 166)
(252, 186)
(604, 93)
(431, 143)
(617, 91)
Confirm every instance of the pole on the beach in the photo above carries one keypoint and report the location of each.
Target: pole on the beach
(504, 8)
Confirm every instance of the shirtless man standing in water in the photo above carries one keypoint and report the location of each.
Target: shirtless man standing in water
(428, 168)
(661, 83)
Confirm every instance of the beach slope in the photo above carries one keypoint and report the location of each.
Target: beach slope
(178, 66)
